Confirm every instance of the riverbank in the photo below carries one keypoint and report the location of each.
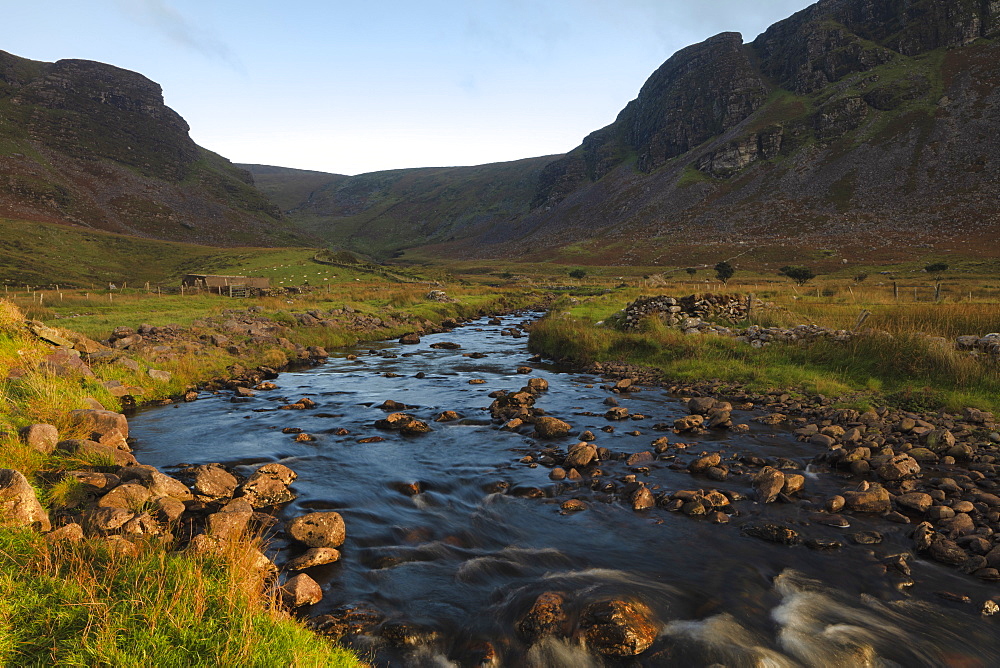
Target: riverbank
(124, 596)
(907, 458)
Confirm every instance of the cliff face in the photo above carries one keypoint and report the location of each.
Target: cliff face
(856, 123)
(91, 144)
(700, 92)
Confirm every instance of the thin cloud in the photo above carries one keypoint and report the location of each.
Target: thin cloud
(159, 15)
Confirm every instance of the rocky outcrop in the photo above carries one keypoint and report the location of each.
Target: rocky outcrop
(700, 92)
(94, 144)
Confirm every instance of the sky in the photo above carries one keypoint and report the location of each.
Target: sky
(351, 87)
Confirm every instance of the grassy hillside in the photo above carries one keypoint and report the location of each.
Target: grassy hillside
(383, 212)
(90, 144)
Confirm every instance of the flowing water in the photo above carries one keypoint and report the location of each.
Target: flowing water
(462, 560)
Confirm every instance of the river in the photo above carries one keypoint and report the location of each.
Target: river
(449, 538)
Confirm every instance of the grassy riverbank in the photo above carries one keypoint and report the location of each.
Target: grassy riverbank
(901, 363)
(89, 604)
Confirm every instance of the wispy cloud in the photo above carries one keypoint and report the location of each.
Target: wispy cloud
(162, 17)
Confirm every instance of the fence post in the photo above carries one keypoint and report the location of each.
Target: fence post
(937, 291)
(895, 291)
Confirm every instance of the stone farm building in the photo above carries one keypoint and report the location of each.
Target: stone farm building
(222, 284)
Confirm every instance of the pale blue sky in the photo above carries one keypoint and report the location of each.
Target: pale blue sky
(352, 87)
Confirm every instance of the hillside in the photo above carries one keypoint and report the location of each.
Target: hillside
(382, 212)
(93, 145)
(854, 128)
(853, 125)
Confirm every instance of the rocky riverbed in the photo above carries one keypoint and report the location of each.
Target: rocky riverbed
(500, 511)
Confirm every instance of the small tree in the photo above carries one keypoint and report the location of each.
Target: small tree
(724, 271)
(577, 273)
(936, 268)
(800, 275)
(691, 271)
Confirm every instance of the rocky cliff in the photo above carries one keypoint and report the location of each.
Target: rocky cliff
(859, 128)
(852, 124)
(94, 145)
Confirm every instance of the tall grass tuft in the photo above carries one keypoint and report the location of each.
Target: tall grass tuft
(88, 604)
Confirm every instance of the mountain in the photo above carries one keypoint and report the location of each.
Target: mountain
(382, 212)
(855, 128)
(93, 145)
(853, 124)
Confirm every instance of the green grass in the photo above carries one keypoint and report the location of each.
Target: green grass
(84, 605)
(868, 368)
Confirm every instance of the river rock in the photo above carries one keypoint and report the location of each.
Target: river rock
(106, 519)
(873, 500)
(19, 505)
(617, 413)
(643, 499)
(794, 483)
(702, 464)
(99, 421)
(917, 501)
(619, 628)
(70, 533)
(321, 529)
(537, 385)
(689, 422)
(158, 484)
(550, 427)
(95, 453)
(394, 421)
(773, 533)
(546, 617)
(268, 486)
(768, 482)
(314, 556)
(167, 509)
(580, 455)
(143, 524)
(899, 467)
(447, 416)
(409, 339)
(211, 481)
(701, 405)
(300, 590)
(40, 437)
(939, 440)
(130, 495)
(230, 522)
(947, 552)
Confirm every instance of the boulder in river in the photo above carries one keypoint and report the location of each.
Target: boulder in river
(268, 486)
(619, 628)
(320, 529)
(580, 455)
(301, 590)
(768, 482)
(212, 482)
(314, 556)
(550, 427)
(873, 500)
(546, 617)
